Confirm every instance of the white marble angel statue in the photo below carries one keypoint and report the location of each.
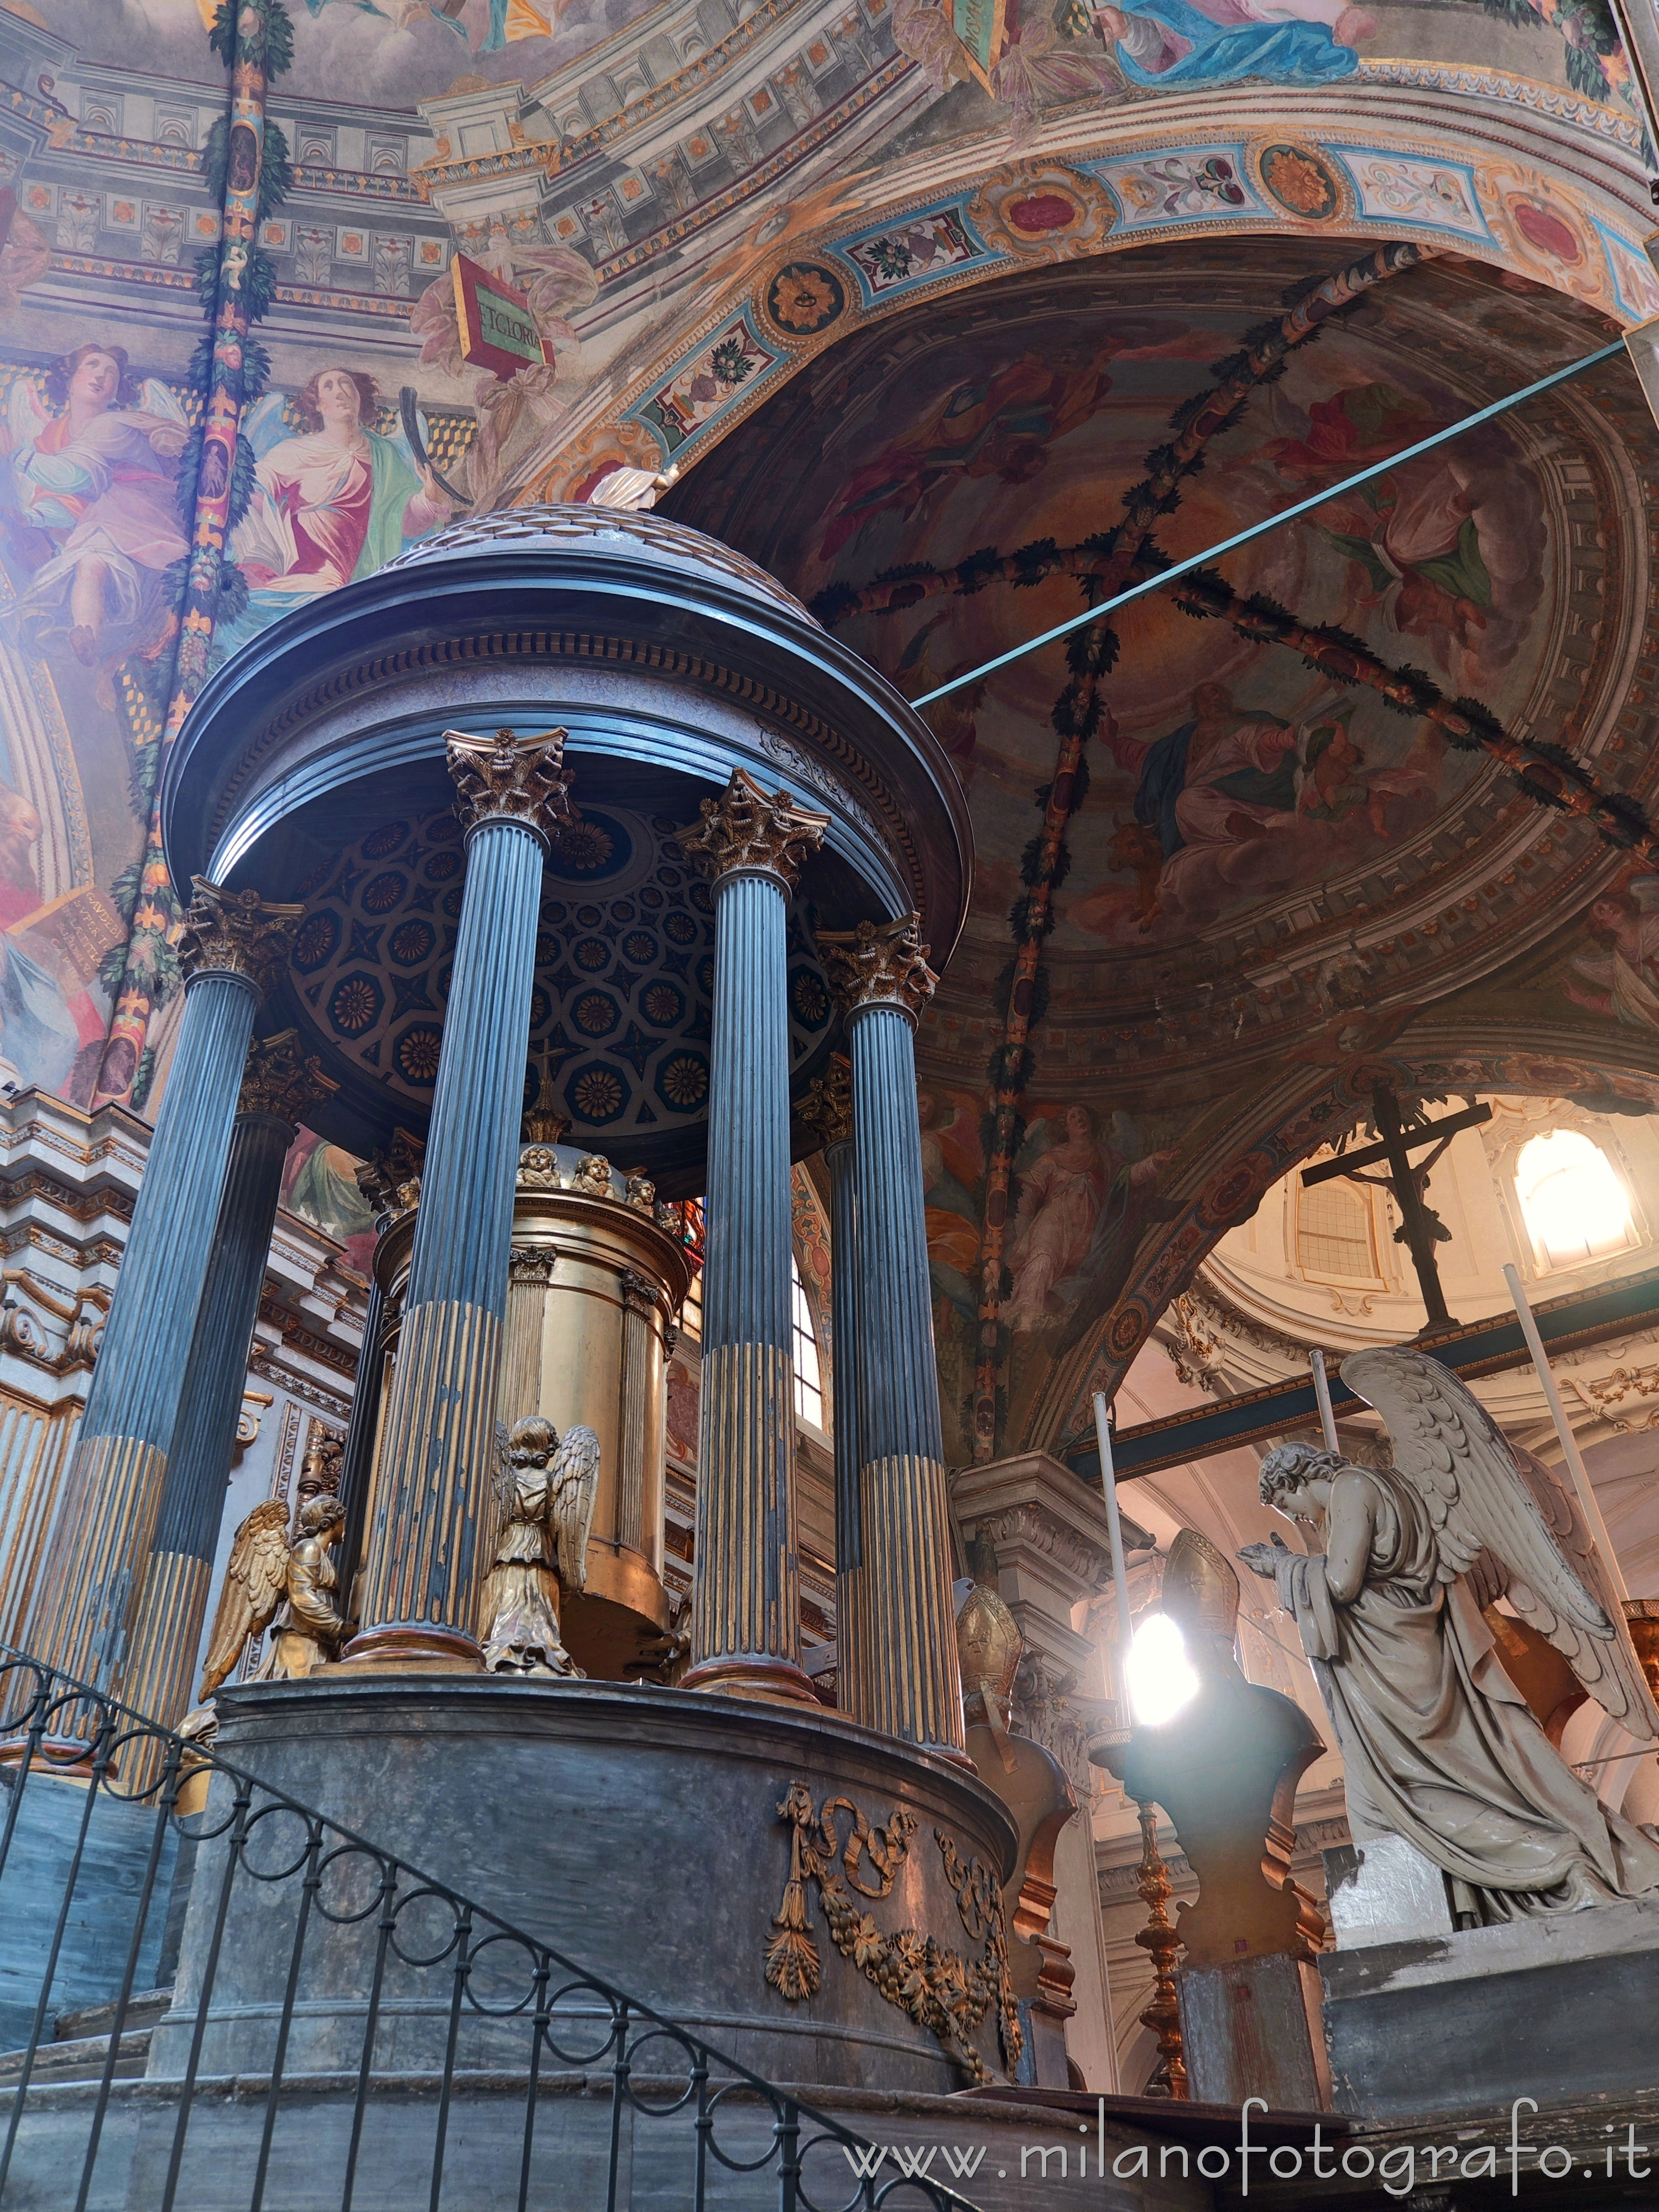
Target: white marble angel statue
(1437, 1744)
(547, 1491)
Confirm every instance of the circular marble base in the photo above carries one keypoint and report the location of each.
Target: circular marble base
(638, 1831)
(994, 2155)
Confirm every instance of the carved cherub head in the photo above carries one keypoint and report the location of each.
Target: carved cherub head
(532, 1441)
(593, 1176)
(537, 1169)
(641, 1193)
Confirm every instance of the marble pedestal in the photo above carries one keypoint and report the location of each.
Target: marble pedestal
(1559, 2009)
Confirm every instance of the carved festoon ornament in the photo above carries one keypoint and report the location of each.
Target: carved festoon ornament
(827, 1111)
(759, 832)
(236, 932)
(879, 963)
(281, 1080)
(508, 778)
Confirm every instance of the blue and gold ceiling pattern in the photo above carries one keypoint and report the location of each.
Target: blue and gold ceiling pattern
(619, 1019)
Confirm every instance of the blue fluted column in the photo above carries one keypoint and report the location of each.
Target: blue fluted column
(233, 948)
(829, 1110)
(896, 1667)
(745, 1619)
(278, 1085)
(421, 1578)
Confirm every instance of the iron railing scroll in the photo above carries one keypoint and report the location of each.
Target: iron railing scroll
(127, 2079)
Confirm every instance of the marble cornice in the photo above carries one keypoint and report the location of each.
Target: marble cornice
(1044, 1520)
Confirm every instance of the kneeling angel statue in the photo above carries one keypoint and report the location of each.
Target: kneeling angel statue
(546, 1496)
(1437, 1743)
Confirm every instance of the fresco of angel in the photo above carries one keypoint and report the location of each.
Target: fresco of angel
(1624, 980)
(1182, 42)
(334, 503)
(1082, 1207)
(89, 498)
(1438, 1745)
(1448, 547)
(547, 1489)
(267, 1576)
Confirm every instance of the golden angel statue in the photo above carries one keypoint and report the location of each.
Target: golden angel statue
(266, 1574)
(547, 1492)
(1438, 1745)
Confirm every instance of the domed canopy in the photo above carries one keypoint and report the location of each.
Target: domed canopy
(311, 768)
(614, 531)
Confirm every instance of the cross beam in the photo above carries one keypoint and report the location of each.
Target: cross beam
(1318, 499)
(1448, 1126)
(1493, 1346)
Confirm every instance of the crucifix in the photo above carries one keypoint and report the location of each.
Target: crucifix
(1421, 1227)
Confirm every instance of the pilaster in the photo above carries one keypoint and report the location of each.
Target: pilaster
(1053, 1552)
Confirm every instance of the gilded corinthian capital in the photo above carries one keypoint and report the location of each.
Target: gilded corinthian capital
(237, 933)
(827, 1111)
(508, 778)
(879, 963)
(279, 1080)
(760, 832)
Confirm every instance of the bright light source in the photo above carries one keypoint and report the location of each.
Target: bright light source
(1575, 1204)
(1161, 1676)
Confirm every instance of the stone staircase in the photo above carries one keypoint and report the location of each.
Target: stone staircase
(79, 2049)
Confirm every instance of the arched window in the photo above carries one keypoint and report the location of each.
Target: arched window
(1335, 1232)
(809, 1384)
(1573, 1202)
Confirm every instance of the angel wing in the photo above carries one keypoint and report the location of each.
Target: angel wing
(263, 426)
(1480, 1498)
(574, 1485)
(25, 416)
(255, 1578)
(158, 398)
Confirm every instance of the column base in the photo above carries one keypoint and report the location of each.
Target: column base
(770, 1682)
(69, 1757)
(955, 1753)
(414, 1648)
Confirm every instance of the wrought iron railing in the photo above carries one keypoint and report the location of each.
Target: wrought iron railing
(113, 1826)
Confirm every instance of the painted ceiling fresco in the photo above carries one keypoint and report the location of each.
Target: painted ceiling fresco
(1271, 868)
(371, 53)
